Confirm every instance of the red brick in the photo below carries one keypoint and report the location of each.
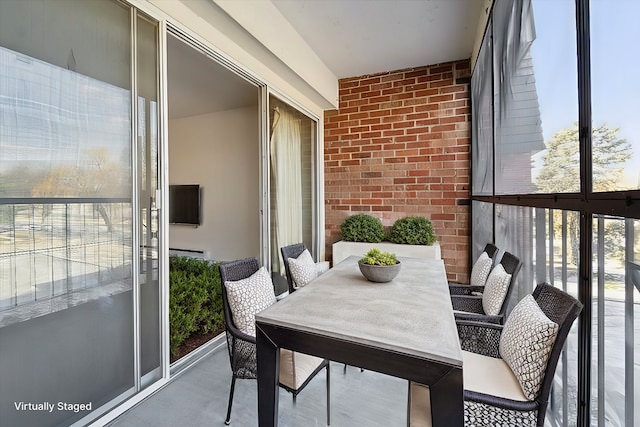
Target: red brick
(404, 82)
(395, 160)
(380, 113)
(440, 98)
(356, 116)
(371, 81)
(403, 125)
(404, 180)
(392, 169)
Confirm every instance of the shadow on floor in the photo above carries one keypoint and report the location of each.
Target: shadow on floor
(198, 397)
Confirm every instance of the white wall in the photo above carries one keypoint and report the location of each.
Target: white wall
(219, 151)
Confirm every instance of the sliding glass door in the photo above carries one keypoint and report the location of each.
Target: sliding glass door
(292, 177)
(79, 299)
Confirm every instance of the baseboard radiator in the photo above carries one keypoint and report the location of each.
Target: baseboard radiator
(193, 253)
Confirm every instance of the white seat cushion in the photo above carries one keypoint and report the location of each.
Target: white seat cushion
(295, 367)
(482, 374)
(526, 343)
(420, 406)
(250, 296)
(303, 269)
(495, 290)
(489, 375)
(480, 270)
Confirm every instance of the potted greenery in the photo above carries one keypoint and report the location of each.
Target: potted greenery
(378, 266)
(362, 228)
(412, 230)
(411, 236)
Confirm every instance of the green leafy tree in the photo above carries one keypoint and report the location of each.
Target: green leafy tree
(561, 170)
(97, 176)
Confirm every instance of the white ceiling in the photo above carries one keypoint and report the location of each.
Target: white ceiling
(357, 37)
(352, 38)
(198, 85)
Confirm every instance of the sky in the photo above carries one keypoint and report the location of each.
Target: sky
(614, 67)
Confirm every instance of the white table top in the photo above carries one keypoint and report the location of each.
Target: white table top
(411, 314)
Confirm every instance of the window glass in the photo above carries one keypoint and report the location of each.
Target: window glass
(482, 227)
(482, 127)
(535, 97)
(292, 146)
(66, 304)
(616, 310)
(614, 95)
(514, 234)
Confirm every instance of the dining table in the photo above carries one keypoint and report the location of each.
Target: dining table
(403, 328)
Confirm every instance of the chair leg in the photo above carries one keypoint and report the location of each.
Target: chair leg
(233, 386)
(345, 369)
(329, 394)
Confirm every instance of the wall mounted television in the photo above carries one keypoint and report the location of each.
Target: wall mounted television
(184, 204)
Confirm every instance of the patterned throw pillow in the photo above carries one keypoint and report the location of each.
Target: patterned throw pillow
(480, 270)
(495, 290)
(250, 296)
(526, 342)
(303, 269)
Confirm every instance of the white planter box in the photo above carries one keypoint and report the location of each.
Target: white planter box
(342, 250)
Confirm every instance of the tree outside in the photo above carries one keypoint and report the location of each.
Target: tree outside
(98, 176)
(560, 172)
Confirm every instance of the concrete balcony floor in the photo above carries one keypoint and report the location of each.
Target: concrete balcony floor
(199, 396)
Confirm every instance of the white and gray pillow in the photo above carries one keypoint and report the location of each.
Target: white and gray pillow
(249, 296)
(303, 269)
(495, 290)
(480, 270)
(526, 343)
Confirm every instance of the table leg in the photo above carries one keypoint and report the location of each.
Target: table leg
(268, 368)
(447, 400)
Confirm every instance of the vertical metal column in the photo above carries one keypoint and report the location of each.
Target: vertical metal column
(541, 235)
(135, 205)
(265, 206)
(565, 359)
(600, 323)
(629, 327)
(163, 202)
(586, 219)
(551, 241)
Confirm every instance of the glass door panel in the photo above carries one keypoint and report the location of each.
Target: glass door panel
(66, 281)
(147, 167)
(292, 147)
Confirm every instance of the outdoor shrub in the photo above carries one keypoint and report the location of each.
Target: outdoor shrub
(195, 299)
(412, 230)
(362, 228)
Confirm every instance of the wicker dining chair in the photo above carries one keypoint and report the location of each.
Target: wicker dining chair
(494, 393)
(478, 275)
(294, 251)
(494, 297)
(296, 369)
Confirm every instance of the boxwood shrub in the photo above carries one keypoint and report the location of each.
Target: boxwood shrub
(362, 228)
(195, 299)
(412, 230)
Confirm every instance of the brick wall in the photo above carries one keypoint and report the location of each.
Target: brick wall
(399, 145)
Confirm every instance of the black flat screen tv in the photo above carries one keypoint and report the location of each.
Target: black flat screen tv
(184, 204)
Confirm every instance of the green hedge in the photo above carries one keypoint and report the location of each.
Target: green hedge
(362, 228)
(412, 230)
(195, 299)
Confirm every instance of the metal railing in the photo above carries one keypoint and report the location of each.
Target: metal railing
(52, 248)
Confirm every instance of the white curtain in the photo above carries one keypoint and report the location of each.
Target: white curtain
(286, 170)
